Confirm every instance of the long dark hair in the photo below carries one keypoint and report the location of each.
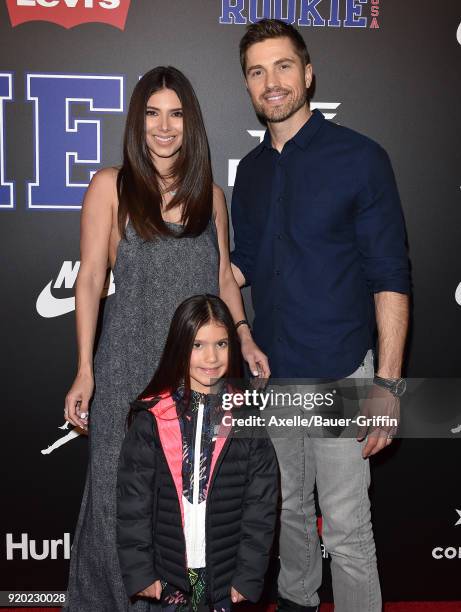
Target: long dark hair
(190, 316)
(138, 189)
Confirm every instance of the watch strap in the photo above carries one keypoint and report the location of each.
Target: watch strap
(396, 386)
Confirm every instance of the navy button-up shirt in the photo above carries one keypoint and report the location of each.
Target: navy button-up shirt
(318, 229)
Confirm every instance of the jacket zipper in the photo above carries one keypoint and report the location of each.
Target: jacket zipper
(197, 449)
(197, 437)
(196, 474)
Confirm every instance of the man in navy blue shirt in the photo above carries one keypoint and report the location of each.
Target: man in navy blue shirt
(319, 235)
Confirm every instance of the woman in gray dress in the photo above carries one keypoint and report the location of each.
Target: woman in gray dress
(161, 224)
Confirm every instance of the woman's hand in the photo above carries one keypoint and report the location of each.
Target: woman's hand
(236, 596)
(229, 290)
(154, 590)
(253, 355)
(78, 399)
(98, 224)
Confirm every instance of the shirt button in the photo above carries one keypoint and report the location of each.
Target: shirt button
(280, 199)
(277, 273)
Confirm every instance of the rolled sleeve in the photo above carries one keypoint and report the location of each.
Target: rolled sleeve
(380, 226)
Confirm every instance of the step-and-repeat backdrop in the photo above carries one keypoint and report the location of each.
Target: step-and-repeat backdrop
(389, 69)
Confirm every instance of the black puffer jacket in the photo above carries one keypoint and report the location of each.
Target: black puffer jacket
(240, 514)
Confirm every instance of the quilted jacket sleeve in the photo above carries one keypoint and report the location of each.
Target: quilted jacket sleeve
(258, 521)
(136, 500)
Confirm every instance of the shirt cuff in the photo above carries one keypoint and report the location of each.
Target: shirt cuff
(238, 260)
(396, 286)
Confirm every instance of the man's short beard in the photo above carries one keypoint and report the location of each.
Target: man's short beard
(282, 114)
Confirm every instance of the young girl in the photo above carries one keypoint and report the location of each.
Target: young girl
(196, 506)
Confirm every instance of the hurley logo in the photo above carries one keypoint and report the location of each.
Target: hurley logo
(69, 13)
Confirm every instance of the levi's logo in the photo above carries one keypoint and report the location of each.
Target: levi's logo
(69, 13)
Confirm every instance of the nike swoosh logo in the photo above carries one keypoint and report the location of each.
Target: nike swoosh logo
(458, 34)
(48, 306)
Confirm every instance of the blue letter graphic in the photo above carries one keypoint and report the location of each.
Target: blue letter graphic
(6, 189)
(308, 9)
(291, 11)
(65, 144)
(353, 12)
(254, 10)
(334, 21)
(232, 13)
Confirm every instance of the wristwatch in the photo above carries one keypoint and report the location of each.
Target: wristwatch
(397, 386)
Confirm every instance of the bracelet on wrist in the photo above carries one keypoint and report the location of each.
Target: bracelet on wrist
(242, 322)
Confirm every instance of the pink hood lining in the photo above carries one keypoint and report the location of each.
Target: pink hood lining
(171, 440)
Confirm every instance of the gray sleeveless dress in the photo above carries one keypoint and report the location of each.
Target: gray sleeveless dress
(151, 279)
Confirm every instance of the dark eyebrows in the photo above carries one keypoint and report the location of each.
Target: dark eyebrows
(171, 110)
(253, 67)
(284, 60)
(203, 342)
(276, 63)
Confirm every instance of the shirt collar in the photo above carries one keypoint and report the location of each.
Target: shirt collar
(302, 138)
(212, 399)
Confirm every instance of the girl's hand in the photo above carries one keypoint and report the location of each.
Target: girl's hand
(77, 400)
(236, 596)
(154, 591)
(256, 359)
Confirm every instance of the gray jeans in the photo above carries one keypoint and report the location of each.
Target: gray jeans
(342, 477)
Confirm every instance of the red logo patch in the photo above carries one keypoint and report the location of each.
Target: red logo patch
(319, 525)
(69, 13)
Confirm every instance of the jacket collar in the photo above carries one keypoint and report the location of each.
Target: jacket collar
(302, 138)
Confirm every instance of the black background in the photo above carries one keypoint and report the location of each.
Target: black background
(399, 84)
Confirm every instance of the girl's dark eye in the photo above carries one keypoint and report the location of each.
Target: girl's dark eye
(223, 343)
(197, 345)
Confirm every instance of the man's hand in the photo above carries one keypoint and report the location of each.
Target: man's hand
(236, 596)
(384, 409)
(154, 591)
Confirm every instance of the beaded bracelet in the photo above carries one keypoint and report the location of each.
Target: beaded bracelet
(242, 322)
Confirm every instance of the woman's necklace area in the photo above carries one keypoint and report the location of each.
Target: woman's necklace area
(170, 216)
(166, 191)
